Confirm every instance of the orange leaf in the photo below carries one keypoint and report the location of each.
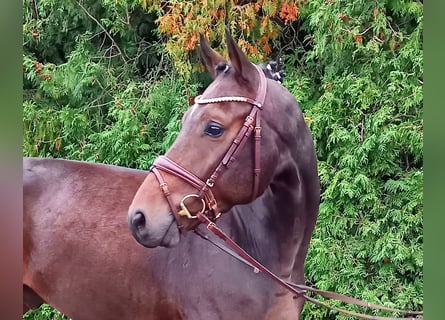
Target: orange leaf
(46, 77)
(58, 143)
(393, 45)
(252, 49)
(221, 13)
(213, 14)
(308, 119)
(375, 12)
(265, 42)
(288, 12)
(37, 66)
(344, 17)
(265, 21)
(192, 42)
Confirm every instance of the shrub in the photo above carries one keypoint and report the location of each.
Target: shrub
(360, 85)
(108, 81)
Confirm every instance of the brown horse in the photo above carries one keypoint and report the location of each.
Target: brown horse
(78, 255)
(266, 185)
(80, 258)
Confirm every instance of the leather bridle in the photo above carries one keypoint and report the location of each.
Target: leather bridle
(210, 211)
(204, 189)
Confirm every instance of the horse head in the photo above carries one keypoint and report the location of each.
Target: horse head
(230, 145)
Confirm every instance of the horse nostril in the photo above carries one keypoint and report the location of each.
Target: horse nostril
(138, 219)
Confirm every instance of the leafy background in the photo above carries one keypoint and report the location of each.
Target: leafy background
(107, 81)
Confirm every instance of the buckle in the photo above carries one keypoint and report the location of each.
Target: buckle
(210, 183)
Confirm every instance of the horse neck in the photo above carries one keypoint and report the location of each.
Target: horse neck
(268, 228)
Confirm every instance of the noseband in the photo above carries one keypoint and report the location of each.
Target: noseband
(204, 189)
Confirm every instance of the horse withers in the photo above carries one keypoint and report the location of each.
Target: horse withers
(245, 151)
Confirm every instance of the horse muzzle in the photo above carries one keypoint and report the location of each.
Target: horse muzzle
(149, 233)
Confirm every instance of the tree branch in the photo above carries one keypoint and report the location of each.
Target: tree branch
(105, 30)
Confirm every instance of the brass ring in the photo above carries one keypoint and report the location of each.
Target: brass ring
(185, 212)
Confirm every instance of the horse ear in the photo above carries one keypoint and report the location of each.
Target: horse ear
(210, 58)
(239, 60)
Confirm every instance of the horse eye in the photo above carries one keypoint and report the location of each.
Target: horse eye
(214, 130)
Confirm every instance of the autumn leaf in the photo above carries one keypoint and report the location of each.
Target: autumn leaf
(46, 77)
(252, 49)
(393, 45)
(308, 119)
(375, 12)
(221, 13)
(58, 143)
(191, 42)
(344, 17)
(264, 41)
(37, 66)
(288, 12)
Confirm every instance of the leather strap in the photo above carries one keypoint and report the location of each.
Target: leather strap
(257, 168)
(164, 188)
(251, 123)
(167, 165)
(258, 266)
(298, 289)
(245, 132)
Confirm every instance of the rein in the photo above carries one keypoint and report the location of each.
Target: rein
(210, 211)
(300, 290)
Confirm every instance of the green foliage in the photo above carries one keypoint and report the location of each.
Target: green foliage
(144, 119)
(99, 87)
(87, 112)
(96, 103)
(45, 312)
(360, 85)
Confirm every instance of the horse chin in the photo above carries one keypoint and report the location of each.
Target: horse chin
(171, 237)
